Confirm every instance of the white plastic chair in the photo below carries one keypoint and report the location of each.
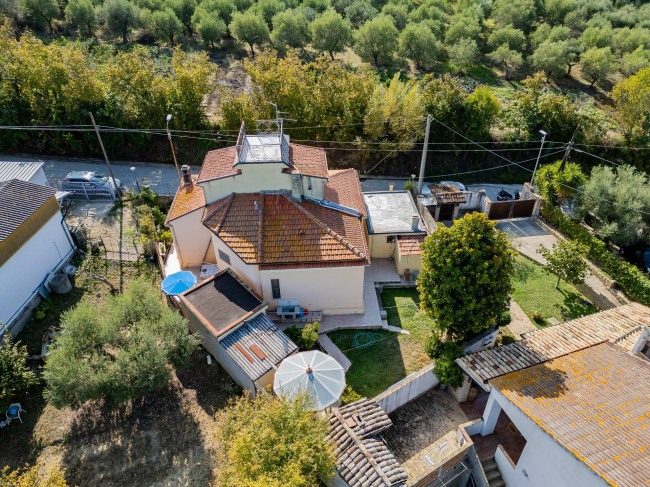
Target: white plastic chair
(14, 412)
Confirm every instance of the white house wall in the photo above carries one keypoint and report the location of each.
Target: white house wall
(546, 462)
(253, 179)
(249, 273)
(191, 238)
(337, 290)
(379, 246)
(23, 273)
(39, 178)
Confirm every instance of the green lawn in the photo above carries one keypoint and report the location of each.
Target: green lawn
(534, 290)
(381, 358)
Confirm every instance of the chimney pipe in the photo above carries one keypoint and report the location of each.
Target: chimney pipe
(415, 223)
(187, 175)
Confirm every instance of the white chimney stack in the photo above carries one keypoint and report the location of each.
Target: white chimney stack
(415, 223)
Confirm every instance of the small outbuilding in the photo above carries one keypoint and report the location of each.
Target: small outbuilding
(395, 230)
(444, 201)
(231, 321)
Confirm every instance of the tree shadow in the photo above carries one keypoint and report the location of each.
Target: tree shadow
(211, 384)
(376, 356)
(154, 440)
(574, 305)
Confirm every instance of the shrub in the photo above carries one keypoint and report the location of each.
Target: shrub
(15, 377)
(537, 316)
(633, 282)
(305, 337)
(446, 369)
(30, 477)
(349, 396)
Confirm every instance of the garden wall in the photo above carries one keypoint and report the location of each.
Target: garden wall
(407, 389)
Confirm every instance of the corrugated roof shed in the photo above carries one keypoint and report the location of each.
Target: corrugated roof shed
(257, 345)
(551, 342)
(18, 170)
(363, 459)
(595, 402)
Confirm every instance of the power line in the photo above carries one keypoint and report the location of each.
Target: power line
(611, 162)
(614, 146)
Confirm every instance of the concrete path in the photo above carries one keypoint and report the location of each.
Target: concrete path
(334, 351)
(527, 236)
(519, 321)
(380, 270)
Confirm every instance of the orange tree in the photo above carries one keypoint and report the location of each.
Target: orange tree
(465, 280)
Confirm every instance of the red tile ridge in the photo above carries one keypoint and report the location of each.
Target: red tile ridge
(260, 232)
(328, 230)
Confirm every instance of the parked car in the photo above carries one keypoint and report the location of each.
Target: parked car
(90, 185)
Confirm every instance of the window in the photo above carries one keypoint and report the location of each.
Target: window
(275, 288)
(224, 257)
(390, 239)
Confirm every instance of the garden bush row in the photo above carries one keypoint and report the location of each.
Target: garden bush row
(631, 280)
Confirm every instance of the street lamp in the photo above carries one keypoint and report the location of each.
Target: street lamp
(171, 144)
(136, 178)
(539, 154)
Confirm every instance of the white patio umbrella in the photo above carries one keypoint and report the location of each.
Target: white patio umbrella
(318, 375)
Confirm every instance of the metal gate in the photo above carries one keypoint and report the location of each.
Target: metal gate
(500, 210)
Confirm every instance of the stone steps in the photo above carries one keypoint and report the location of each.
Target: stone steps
(492, 473)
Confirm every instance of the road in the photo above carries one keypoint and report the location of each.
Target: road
(162, 178)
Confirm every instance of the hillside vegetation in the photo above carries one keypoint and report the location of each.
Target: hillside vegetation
(347, 65)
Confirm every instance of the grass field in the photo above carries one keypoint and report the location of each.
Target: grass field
(535, 292)
(381, 358)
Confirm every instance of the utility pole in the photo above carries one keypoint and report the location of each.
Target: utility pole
(423, 163)
(568, 149)
(171, 144)
(118, 194)
(539, 154)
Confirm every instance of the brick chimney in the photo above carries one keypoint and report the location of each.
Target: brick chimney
(186, 175)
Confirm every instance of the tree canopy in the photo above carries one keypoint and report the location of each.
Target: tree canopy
(566, 260)
(15, 376)
(465, 280)
(122, 351)
(270, 442)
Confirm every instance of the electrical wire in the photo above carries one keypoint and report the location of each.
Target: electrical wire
(614, 146)
(610, 162)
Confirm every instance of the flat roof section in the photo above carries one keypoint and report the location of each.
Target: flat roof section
(392, 212)
(222, 300)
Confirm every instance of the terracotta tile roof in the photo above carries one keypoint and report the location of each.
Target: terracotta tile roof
(218, 164)
(410, 244)
(311, 161)
(186, 200)
(363, 460)
(344, 188)
(283, 231)
(447, 193)
(595, 402)
(551, 342)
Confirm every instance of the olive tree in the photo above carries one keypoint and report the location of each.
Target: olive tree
(509, 59)
(597, 64)
(42, 12)
(121, 17)
(417, 43)
(290, 29)
(210, 30)
(82, 14)
(165, 25)
(376, 38)
(331, 33)
(465, 280)
(120, 351)
(250, 28)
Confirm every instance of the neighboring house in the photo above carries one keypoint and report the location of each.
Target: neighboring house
(585, 418)
(575, 397)
(273, 213)
(34, 242)
(231, 320)
(395, 229)
(25, 171)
